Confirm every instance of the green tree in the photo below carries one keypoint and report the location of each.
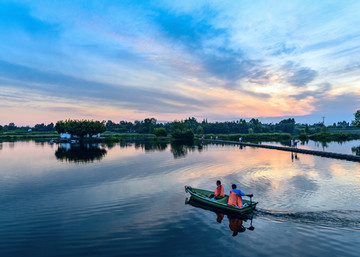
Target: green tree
(148, 125)
(1, 128)
(356, 122)
(60, 127)
(10, 127)
(243, 126)
(191, 123)
(343, 124)
(80, 128)
(160, 132)
(199, 130)
(179, 131)
(256, 125)
(287, 125)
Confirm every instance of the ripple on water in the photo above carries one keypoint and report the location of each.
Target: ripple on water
(329, 219)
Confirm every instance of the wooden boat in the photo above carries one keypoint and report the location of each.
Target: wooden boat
(201, 195)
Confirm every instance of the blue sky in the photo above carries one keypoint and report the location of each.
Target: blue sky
(220, 60)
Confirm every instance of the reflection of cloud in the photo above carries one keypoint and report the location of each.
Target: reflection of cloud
(303, 183)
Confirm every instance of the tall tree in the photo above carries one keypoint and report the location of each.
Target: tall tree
(356, 122)
(80, 127)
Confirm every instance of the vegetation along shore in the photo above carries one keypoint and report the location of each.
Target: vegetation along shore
(187, 130)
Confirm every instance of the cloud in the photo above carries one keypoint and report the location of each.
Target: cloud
(340, 104)
(60, 85)
(207, 44)
(299, 76)
(16, 16)
(318, 94)
(332, 43)
(281, 48)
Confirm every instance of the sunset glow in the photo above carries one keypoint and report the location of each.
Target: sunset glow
(220, 60)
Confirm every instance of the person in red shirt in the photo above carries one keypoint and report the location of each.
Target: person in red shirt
(219, 191)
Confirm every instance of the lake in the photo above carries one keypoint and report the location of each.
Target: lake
(345, 147)
(129, 200)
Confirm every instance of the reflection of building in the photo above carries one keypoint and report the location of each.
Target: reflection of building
(66, 146)
(93, 136)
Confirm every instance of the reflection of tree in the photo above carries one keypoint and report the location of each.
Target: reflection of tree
(181, 149)
(151, 147)
(356, 150)
(80, 152)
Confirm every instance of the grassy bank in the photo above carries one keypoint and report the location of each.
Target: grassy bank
(122, 137)
(112, 137)
(28, 135)
(259, 137)
(328, 136)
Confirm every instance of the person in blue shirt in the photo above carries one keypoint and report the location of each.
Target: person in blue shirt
(235, 196)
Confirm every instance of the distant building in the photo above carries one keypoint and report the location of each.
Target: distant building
(65, 135)
(29, 130)
(93, 136)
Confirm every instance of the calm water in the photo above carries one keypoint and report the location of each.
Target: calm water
(129, 200)
(346, 147)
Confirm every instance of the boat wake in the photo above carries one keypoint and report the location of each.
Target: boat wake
(349, 219)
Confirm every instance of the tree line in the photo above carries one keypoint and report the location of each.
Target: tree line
(184, 127)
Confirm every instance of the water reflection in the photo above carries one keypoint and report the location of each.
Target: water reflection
(294, 156)
(151, 147)
(180, 150)
(81, 153)
(356, 150)
(236, 221)
(74, 210)
(90, 152)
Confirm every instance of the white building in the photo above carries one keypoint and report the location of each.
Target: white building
(65, 135)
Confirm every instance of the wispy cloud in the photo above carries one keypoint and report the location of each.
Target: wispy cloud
(299, 76)
(207, 58)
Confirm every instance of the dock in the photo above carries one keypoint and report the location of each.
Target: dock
(347, 157)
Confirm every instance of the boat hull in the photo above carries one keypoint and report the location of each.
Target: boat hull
(201, 196)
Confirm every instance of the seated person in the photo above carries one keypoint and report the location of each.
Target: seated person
(219, 191)
(235, 197)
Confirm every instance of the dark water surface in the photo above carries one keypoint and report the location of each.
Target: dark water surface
(129, 200)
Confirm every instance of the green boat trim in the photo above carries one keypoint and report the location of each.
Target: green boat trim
(201, 195)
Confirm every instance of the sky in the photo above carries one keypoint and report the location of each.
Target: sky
(219, 60)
